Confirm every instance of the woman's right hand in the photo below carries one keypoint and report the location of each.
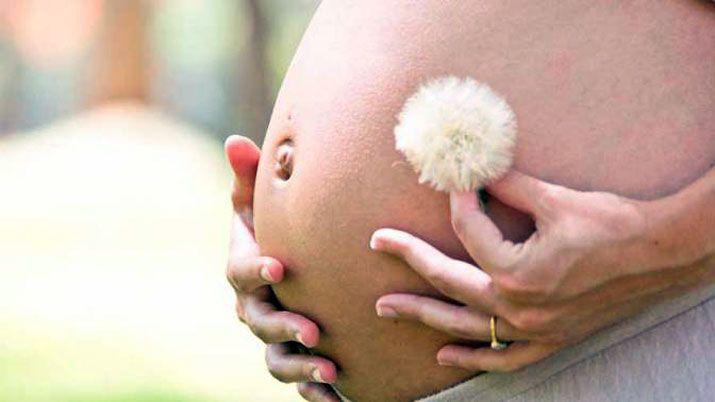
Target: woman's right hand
(251, 275)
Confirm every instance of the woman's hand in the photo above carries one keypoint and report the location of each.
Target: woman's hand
(250, 275)
(593, 260)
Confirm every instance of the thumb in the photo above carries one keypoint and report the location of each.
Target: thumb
(527, 194)
(479, 235)
(243, 156)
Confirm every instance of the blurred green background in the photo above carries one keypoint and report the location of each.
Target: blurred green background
(114, 194)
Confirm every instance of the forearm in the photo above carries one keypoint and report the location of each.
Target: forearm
(682, 226)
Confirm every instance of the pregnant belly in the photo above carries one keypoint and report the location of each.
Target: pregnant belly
(609, 97)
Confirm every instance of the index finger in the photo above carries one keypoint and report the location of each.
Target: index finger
(525, 193)
(243, 242)
(453, 278)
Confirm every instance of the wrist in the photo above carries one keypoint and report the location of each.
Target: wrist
(674, 235)
(650, 242)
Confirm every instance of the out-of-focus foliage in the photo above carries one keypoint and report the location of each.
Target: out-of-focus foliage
(197, 57)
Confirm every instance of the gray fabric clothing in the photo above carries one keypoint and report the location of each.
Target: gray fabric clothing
(664, 354)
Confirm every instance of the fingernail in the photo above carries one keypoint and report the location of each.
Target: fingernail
(266, 274)
(442, 361)
(386, 312)
(316, 375)
(373, 242)
(299, 338)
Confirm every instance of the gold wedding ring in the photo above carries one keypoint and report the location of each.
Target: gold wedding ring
(496, 344)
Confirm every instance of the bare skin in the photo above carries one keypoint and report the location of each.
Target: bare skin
(250, 274)
(558, 320)
(581, 125)
(544, 290)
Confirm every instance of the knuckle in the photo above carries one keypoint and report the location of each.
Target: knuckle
(462, 327)
(274, 368)
(243, 288)
(270, 358)
(260, 332)
(234, 278)
(626, 220)
(257, 330)
(472, 364)
(404, 244)
(405, 241)
(431, 272)
(520, 287)
(229, 274)
(436, 277)
(252, 327)
(240, 312)
(414, 309)
(278, 375)
(511, 285)
(457, 328)
(531, 321)
(549, 198)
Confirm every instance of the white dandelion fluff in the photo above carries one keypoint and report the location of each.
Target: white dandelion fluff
(457, 134)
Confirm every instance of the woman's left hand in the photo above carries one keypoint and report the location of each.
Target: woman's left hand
(587, 266)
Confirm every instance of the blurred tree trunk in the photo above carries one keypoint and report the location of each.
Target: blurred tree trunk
(120, 64)
(254, 91)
